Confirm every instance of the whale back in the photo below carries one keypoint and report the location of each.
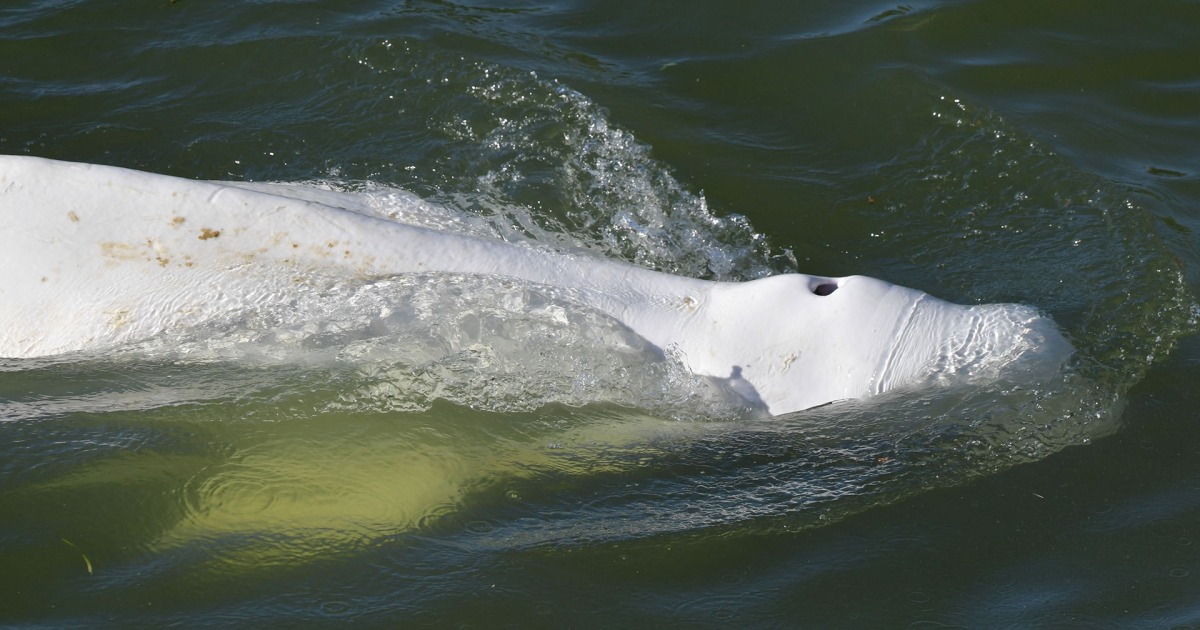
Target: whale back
(96, 255)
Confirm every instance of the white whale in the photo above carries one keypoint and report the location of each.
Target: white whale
(94, 256)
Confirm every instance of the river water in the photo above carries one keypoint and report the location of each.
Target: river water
(499, 457)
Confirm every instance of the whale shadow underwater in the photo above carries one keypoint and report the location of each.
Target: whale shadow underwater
(98, 256)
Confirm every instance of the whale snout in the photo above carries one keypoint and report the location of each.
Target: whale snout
(942, 340)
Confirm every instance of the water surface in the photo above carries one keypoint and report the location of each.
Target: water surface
(495, 456)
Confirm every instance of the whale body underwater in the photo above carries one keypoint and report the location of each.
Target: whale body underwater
(95, 256)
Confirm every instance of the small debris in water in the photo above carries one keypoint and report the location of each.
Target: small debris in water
(86, 562)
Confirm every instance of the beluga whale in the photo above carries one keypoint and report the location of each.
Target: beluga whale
(97, 256)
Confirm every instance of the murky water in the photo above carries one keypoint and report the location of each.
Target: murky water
(458, 451)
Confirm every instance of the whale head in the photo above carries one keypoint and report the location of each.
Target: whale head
(793, 342)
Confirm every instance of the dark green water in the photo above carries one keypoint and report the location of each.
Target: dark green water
(1033, 152)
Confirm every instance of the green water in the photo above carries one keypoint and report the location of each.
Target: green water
(536, 468)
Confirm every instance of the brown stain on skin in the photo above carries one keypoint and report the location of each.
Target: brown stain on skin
(206, 233)
(158, 253)
(73, 217)
(177, 221)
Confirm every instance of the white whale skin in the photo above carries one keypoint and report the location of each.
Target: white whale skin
(94, 256)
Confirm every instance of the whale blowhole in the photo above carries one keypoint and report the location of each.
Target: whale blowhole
(825, 288)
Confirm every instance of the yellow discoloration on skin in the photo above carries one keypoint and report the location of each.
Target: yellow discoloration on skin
(119, 318)
(177, 221)
(150, 251)
(113, 251)
(206, 233)
(322, 251)
(73, 217)
(789, 360)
